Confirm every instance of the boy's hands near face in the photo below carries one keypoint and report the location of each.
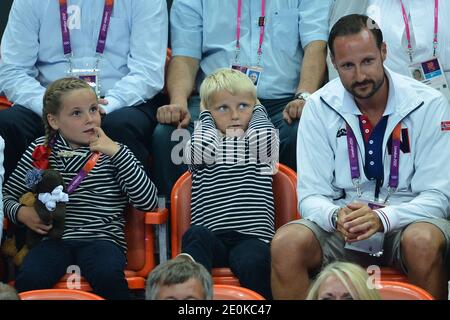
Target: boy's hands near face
(100, 142)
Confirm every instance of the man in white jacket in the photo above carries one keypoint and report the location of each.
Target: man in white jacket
(373, 176)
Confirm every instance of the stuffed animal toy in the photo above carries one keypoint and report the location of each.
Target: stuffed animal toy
(48, 198)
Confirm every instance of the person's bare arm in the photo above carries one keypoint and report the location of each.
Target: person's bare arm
(180, 83)
(311, 77)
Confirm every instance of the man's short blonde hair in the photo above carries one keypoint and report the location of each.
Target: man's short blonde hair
(225, 79)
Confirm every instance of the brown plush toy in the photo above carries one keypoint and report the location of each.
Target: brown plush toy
(49, 200)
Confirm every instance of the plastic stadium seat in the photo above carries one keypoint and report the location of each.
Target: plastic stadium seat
(139, 234)
(285, 198)
(229, 292)
(394, 290)
(58, 294)
(4, 103)
(391, 274)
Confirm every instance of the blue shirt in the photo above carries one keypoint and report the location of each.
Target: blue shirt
(206, 30)
(131, 71)
(373, 146)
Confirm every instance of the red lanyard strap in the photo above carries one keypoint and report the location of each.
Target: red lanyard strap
(408, 31)
(261, 24)
(107, 11)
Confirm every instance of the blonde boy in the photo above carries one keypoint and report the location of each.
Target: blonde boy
(233, 148)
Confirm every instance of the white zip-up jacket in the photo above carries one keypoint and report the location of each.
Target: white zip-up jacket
(324, 179)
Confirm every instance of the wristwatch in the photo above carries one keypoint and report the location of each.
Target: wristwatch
(302, 95)
(334, 218)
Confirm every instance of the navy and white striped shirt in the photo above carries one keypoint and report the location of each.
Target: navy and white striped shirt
(232, 177)
(96, 208)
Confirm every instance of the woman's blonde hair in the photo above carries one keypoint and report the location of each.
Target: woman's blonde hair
(225, 79)
(52, 99)
(353, 277)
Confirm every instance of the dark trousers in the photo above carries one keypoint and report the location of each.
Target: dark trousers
(166, 172)
(101, 262)
(247, 256)
(132, 126)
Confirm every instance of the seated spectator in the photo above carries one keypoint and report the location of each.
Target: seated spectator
(283, 41)
(232, 156)
(179, 279)
(343, 281)
(418, 38)
(7, 292)
(373, 146)
(101, 177)
(122, 57)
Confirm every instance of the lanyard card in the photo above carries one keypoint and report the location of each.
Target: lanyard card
(431, 73)
(374, 244)
(254, 73)
(90, 76)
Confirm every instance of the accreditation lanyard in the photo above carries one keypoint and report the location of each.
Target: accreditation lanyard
(408, 33)
(354, 163)
(83, 172)
(261, 24)
(107, 11)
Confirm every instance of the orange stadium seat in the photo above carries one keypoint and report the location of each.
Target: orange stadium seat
(230, 292)
(139, 235)
(391, 274)
(394, 290)
(58, 294)
(285, 197)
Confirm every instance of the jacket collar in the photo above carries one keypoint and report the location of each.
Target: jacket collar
(401, 99)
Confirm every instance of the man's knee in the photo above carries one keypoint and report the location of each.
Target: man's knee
(422, 243)
(295, 242)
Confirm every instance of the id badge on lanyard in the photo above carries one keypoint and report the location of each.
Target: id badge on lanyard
(88, 72)
(89, 75)
(253, 72)
(430, 71)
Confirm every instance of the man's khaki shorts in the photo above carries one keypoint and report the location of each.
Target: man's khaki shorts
(332, 245)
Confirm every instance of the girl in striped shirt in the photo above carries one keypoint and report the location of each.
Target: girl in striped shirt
(100, 176)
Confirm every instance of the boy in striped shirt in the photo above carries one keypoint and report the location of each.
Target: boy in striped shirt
(232, 156)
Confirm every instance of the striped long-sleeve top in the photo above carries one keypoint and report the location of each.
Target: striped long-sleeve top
(232, 176)
(96, 208)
